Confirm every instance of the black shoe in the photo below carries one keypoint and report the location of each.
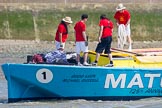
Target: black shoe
(94, 64)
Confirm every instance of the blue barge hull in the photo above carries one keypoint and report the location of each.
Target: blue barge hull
(41, 81)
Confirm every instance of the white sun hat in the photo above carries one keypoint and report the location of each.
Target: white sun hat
(67, 19)
(120, 7)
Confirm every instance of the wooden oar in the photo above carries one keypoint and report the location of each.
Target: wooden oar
(148, 50)
(124, 51)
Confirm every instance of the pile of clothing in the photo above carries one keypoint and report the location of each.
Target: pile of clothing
(54, 57)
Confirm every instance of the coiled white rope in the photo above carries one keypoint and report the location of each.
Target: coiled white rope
(122, 37)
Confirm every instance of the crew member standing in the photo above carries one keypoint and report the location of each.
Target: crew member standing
(104, 40)
(123, 16)
(62, 32)
(81, 39)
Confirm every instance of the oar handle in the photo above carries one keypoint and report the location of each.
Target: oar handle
(124, 51)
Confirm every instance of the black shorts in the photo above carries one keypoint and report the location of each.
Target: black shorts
(105, 44)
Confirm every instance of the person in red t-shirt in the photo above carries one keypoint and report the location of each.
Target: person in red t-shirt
(104, 39)
(62, 33)
(81, 39)
(123, 16)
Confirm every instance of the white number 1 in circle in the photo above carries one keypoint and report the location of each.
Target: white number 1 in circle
(44, 75)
